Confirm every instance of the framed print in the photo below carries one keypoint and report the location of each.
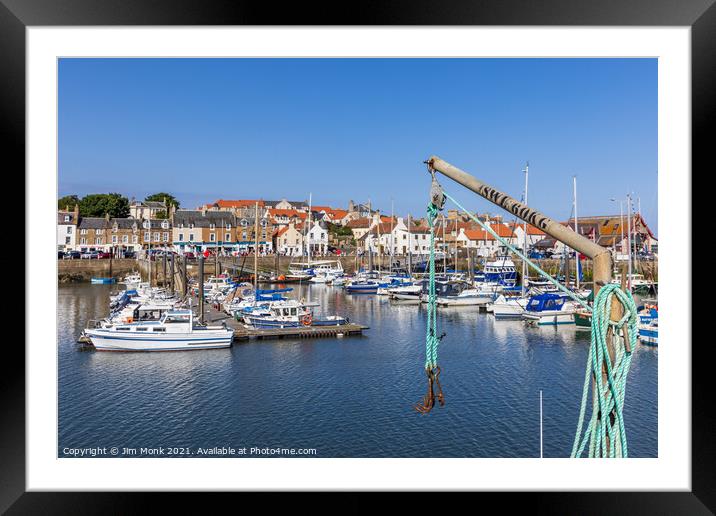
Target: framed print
(334, 255)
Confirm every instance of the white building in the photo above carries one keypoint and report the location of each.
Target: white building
(384, 237)
(67, 229)
(318, 238)
(288, 240)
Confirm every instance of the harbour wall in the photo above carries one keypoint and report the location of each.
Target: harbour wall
(82, 270)
(78, 271)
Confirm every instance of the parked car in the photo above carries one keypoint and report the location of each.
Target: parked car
(189, 255)
(103, 255)
(88, 255)
(72, 255)
(60, 255)
(647, 257)
(129, 254)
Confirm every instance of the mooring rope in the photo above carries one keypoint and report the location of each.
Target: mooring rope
(432, 340)
(604, 437)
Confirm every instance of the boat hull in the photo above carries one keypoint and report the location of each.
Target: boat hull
(649, 335)
(507, 311)
(104, 340)
(550, 318)
(462, 301)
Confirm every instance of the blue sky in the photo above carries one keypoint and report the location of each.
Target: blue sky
(359, 129)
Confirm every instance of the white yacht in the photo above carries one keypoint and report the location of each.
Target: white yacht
(175, 331)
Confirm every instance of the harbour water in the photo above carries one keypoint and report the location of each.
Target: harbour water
(345, 397)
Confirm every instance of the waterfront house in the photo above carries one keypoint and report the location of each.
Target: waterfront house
(384, 236)
(67, 221)
(288, 239)
(318, 237)
(534, 235)
(220, 230)
(121, 234)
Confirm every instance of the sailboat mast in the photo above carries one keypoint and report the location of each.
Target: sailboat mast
(392, 214)
(256, 247)
(445, 248)
(629, 239)
(308, 228)
(410, 254)
(576, 230)
(524, 238)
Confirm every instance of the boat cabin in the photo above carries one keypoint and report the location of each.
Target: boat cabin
(545, 302)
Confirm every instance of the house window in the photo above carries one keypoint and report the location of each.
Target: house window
(191, 237)
(212, 226)
(135, 239)
(165, 225)
(98, 240)
(181, 237)
(125, 239)
(67, 240)
(147, 236)
(212, 237)
(165, 237)
(83, 241)
(228, 226)
(146, 224)
(100, 231)
(228, 237)
(114, 239)
(69, 230)
(156, 237)
(67, 218)
(83, 231)
(243, 235)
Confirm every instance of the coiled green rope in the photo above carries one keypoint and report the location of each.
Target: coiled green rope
(606, 439)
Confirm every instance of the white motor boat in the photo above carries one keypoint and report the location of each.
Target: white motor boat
(504, 308)
(175, 331)
(132, 280)
(549, 309)
(458, 293)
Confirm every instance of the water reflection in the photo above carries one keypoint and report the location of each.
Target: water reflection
(347, 397)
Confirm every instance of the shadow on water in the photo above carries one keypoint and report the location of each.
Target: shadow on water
(346, 397)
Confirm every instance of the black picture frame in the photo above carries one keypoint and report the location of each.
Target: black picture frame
(17, 15)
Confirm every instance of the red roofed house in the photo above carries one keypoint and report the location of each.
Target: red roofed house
(288, 240)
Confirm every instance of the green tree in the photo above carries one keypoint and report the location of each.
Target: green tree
(98, 205)
(161, 214)
(67, 202)
(162, 197)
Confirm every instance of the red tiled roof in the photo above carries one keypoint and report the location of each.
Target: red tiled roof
(359, 223)
(336, 214)
(243, 203)
(279, 212)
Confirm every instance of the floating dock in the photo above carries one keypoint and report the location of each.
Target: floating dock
(241, 332)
